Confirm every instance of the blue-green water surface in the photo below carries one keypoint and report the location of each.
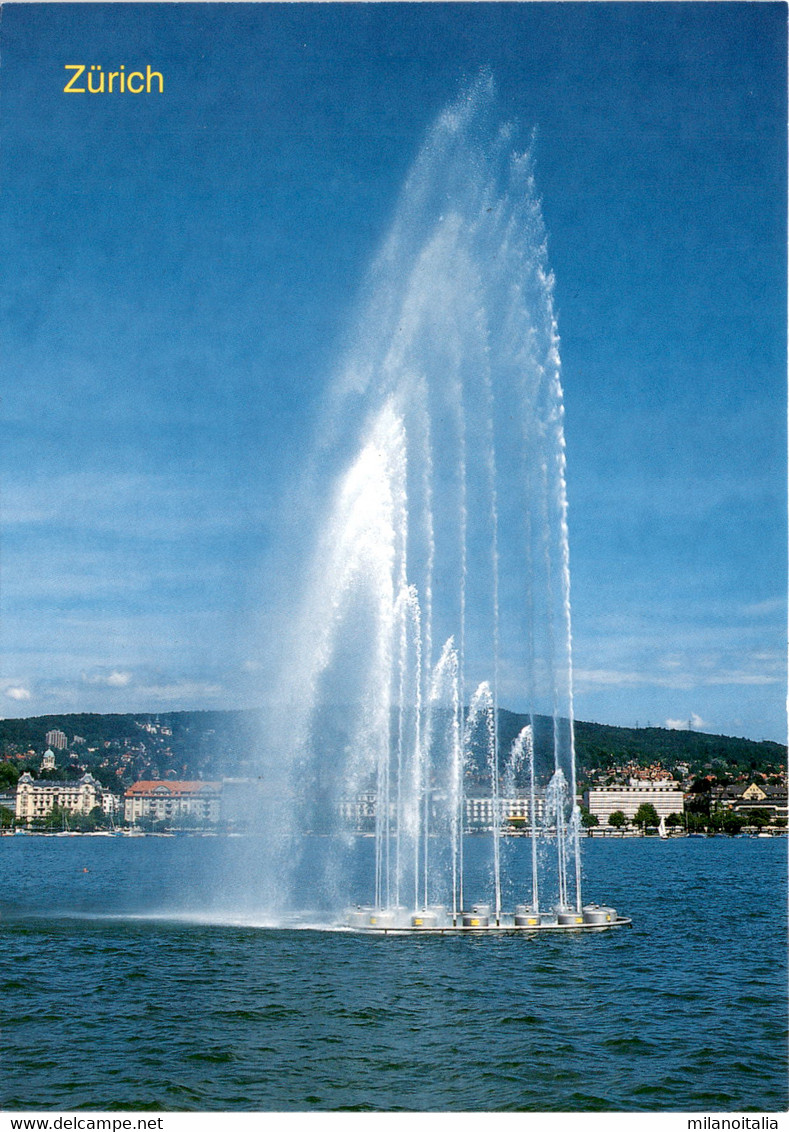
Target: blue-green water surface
(113, 998)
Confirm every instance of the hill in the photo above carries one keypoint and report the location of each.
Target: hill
(122, 748)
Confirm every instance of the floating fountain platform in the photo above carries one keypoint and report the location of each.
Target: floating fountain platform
(524, 921)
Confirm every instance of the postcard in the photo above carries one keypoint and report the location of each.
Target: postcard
(394, 559)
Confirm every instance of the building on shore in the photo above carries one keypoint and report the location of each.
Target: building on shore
(38, 799)
(359, 811)
(173, 801)
(514, 810)
(111, 804)
(768, 800)
(665, 796)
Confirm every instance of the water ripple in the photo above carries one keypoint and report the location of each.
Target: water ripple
(238, 1019)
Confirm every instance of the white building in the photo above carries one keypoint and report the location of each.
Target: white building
(56, 739)
(479, 810)
(48, 760)
(111, 804)
(359, 811)
(665, 796)
(38, 799)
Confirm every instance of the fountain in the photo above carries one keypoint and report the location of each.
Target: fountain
(439, 587)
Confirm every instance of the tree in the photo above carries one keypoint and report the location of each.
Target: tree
(617, 819)
(756, 818)
(646, 815)
(88, 823)
(733, 823)
(588, 820)
(715, 821)
(99, 818)
(8, 775)
(151, 824)
(57, 818)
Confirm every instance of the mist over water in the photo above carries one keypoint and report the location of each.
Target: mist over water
(438, 589)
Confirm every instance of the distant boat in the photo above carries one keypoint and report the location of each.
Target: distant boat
(662, 831)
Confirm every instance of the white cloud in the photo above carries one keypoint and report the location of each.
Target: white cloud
(118, 679)
(112, 679)
(737, 676)
(765, 608)
(693, 669)
(17, 693)
(606, 676)
(775, 659)
(186, 690)
(175, 506)
(695, 721)
(617, 678)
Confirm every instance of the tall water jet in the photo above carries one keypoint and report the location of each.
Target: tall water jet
(522, 753)
(445, 534)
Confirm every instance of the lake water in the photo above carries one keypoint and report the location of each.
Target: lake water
(128, 983)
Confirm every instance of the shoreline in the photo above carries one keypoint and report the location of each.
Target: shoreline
(616, 835)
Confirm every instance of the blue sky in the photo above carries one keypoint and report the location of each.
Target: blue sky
(184, 268)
